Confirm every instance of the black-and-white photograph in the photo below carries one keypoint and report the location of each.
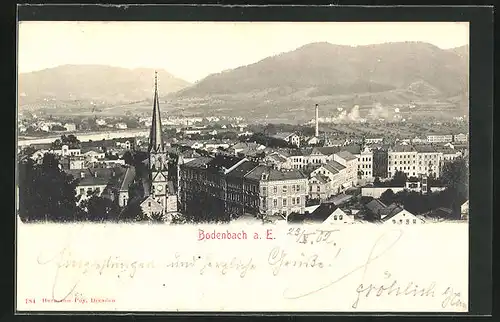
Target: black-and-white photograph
(181, 122)
(242, 166)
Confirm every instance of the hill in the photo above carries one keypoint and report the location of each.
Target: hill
(97, 83)
(335, 75)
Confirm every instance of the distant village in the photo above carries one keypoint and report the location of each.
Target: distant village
(210, 169)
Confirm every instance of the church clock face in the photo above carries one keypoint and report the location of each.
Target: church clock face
(159, 188)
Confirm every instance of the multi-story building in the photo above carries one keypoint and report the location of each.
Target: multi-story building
(402, 158)
(439, 138)
(365, 164)
(427, 161)
(337, 176)
(319, 187)
(351, 163)
(238, 186)
(460, 137)
(281, 192)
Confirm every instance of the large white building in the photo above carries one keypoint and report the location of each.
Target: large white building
(365, 164)
(440, 138)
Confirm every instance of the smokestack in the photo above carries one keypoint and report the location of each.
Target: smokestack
(317, 116)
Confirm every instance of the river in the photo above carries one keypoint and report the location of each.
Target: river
(87, 136)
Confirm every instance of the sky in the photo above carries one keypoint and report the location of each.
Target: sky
(193, 50)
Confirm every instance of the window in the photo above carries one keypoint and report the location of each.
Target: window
(275, 189)
(275, 202)
(82, 191)
(298, 200)
(264, 190)
(414, 221)
(284, 189)
(335, 217)
(284, 202)
(264, 202)
(394, 221)
(407, 221)
(340, 217)
(318, 188)
(400, 221)
(293, 201)
(149, 203)
(298, 187)
(98, 189)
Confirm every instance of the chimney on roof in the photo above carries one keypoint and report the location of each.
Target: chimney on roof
(82, 174)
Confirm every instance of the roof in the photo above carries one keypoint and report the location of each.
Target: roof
(340, 199)
(274, 174)
(402, 148)
(322, 212)
(277, 157)
(127, 179)
(334, 167)
(375, 206)
(282, 135)
(441, 212)
(321, 178)
(92, 177)
(390, 211)
(352, 148)
(198, 162)
(223, 161)
(425, 149)
(346, 155)
(241, 170)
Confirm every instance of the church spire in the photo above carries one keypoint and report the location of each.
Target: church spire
(155, 139)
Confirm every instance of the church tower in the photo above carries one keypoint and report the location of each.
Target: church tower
(158, 162)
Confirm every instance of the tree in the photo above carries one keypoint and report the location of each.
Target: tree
(98, 208)
(455, 175)
(388, 197)
(128, 158)
(377, 182)
(399, 179)
(46, 192)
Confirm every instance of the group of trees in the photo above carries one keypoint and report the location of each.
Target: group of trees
(70, 140)
(454, 175)
(47, 193)
(398, 180)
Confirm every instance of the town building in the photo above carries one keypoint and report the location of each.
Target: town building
(70, 127)
(439, 138)
(402, 158)
(291, 138)
(365, 164)
(329, 214)
(351, 163)
(461, 137)
(281, 192)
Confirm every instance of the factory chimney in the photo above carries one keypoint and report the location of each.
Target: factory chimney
(317, 120)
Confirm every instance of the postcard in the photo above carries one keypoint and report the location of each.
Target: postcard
(242, 166)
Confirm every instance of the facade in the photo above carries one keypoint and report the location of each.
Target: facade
(402, 158)
(428, 161)
(319, 187)
(336, 174)
(365, 164)
(461, 137)
(442, 138)
(396, 215)
(280, 192)
(351, 163)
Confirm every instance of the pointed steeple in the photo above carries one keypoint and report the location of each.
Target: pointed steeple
(155, 136)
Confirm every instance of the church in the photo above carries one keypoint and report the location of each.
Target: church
(159, 199)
